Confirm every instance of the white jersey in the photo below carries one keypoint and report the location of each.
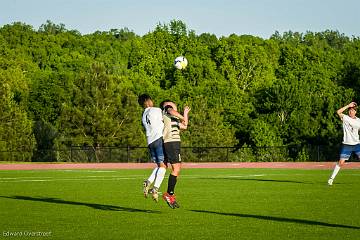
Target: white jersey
(351, 128)
(152, 119)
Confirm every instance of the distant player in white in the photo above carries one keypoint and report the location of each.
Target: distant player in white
(152, 120)
(351, 142)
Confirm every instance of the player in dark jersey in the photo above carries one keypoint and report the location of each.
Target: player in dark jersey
(173, 123)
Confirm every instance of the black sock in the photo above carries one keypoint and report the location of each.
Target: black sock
(171, 184)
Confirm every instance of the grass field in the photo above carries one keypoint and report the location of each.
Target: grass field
(215, 204)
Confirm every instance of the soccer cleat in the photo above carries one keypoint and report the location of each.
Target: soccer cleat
(330, 181)
(146, 188)
(176, 205)
(155, 194)
(170, 200)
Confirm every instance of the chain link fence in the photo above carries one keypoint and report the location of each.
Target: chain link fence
(188, 154)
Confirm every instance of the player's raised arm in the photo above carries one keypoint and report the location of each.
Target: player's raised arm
(174, 113)
(171, 109)
(183, 125)
(341, 110)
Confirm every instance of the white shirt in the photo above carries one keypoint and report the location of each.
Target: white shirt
(351, 128)
(152, 119)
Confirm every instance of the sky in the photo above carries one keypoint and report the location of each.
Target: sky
(260, 18)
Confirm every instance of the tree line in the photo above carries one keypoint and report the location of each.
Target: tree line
(60, 88)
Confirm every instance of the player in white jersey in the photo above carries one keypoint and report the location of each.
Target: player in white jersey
(152, 120)
(351, 142)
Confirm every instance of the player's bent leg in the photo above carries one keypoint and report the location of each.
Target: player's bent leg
(158, 180)
(147, 183)
(155, 194)
(341, 163)
(336, 171)
(169, 199)
(146, 188)
(176, 167)
(169, 196)
(330, 181)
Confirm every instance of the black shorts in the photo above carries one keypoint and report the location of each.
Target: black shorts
(172, 152)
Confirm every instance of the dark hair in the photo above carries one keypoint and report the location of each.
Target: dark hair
(143, 98)
(162, 103)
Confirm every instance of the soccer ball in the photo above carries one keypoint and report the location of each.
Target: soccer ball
(180, 62)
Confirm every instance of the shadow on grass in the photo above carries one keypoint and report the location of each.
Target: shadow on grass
(279, 219)
(257, 180)
(91, 205)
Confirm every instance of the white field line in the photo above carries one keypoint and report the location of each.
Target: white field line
(65, 179)
(85, 176)
(113, 178)
(15, 178)
(133, 177)
(226, 176)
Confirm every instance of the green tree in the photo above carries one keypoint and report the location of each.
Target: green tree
(101, 112)
(16, 138)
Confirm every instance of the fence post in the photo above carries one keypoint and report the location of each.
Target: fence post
(128, 153)
(110, 153)
(227, 154)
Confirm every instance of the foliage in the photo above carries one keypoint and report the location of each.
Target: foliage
(60, 88)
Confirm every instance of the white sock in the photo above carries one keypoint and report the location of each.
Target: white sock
(159, 177)
(152, 177)
(335, 172)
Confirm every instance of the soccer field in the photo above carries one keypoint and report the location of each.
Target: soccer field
(215, 204)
